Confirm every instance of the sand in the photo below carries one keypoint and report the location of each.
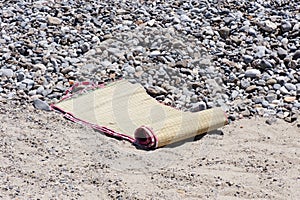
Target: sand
(44, 156)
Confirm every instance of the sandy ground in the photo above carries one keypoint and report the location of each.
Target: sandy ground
(44, 156)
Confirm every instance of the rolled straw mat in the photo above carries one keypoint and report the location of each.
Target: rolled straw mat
(125, 110)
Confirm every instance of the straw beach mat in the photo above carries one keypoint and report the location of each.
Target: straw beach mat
(126, 111)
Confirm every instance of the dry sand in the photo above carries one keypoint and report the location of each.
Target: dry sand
(44, 156)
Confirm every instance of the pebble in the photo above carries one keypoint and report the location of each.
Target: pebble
(265, 64)
(6, 72)
(224, 32)
(251, 88)
(199, 106)
(271, 121)
(269, 26)
(283, 90)
(247, 58)
(271, 81)
(253, 73)
(289, 99)
(41, 105)
(286, 26)
(296, 55)
(290, 86)
(54, 20)
(282, 53)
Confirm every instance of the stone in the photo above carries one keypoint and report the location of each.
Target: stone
(54, 20)
(224, 32)
(271, 97)
(234, 94)
(290, 87)
(282, 53)
(129, 69)
(296, 55)
(247, 58)
(251, 88)
(264, 64)
(271, 121)
(6, 72)
(265, 104)
(276, 86)
(269, 26)
(253, 73)
(40, 67)
(286, 26)
(156, 90)
(245, 83)
(41, 105)
(289, 99)
(271, 81)
(283, 90)
(260, 51)
(246, 113)
(198, 106)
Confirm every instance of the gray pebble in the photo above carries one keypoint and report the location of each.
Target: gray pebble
(129, 69)
(234, 94)
(286, 26)
(296, 55)
(265, 64)
(41, 105)
(6, 72)
(290, 86)
(252, 73)
(196, 107)
(283, 90)
(282, 53)
(276, 86)
(265, 104)
(247, 58)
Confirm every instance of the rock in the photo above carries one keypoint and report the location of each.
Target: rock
(6, 72)
(264, 64)
(271, 81)
(260, 51)
(265, 104)
(271, 97)
(289, 99)
(41, 105)
(28, 82)
(283, 90)
(286, 26)
(196, 107)
(224, 32)
(247, 58)
(129, 69)
(282, 53)
(271, 121)
(54, 20)
(234, 94)
(244, 83)
(20, 76)
(296, 55)
(276, 86)
(269, 26)
(155, 91)
(290, 119)
(40, 67)
(246, 113)
(251, 88)
(253, 73)
(290, 87)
